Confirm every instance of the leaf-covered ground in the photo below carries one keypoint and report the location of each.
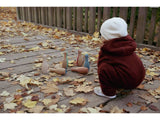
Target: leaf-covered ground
(23, 88)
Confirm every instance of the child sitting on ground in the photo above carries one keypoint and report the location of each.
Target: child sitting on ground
(118, 65)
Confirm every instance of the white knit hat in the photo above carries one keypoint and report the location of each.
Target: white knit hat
(114, 27)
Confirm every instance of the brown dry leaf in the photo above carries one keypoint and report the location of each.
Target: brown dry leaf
(54, 101)
(129, 104)
(90, 110)
(69, 91)
(65, 80)
(50, 88)
(36, 109)
(148, 97)
(5, 74)
(141, 86)
(150, 73)
(143, 108)
(84, 89)
(78, 101)
(116, 109)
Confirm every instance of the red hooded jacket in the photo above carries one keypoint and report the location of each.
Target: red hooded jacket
(118, 64)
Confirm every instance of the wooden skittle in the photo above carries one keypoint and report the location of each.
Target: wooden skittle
(61, 71)
(80, 59)
(65, 61)
(86, 63)
(45, 65)
(81, 70)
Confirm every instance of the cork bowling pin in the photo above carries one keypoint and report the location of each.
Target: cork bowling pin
(65, 61)
(86, 62)
(45, 66)
(80, 59)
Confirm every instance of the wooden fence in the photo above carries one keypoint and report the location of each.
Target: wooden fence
(143, 28)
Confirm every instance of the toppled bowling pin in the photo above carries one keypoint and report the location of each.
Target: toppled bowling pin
(65, 61)
(80, 59)
(61, 71)
(45, 66)
(86, 62)
(81, 70)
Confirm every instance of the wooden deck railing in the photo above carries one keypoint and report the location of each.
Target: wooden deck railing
(142, 28)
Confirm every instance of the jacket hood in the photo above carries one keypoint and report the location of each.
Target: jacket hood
(123, 46)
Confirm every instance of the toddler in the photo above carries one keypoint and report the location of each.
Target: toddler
(118, 65)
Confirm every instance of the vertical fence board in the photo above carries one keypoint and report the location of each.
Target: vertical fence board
(35, 14)
(115, 12)
(152, 26)
(26, 13)
(29, 14)
(74, 18)
(69, 18)
(64, 17)
(99, 18)
(50, 16)
(106, 13)
(86, 20)
(158, 42)
(92, 16)
(18, 13)
(54, 16)
(132, 21)
(141, 24)
(79, 19)
(42, 15)
(123, 13)
(23, 13)
(59, 17)
(39, 14)
(46, 15)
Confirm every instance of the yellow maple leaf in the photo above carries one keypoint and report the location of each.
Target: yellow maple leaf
(29, 103)
(1, 53)
(78, 101)
(96, 34)
(34, 48)
(46, 101)
(148, 72)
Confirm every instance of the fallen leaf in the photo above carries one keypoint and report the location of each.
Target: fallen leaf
(2, 60)
(36, 109)
(154, 108)
(141, 86)
(5, 93)
(116, 109)
(46, 101)
(129, 104)
(143, 108)
(50, 88)
(90, 110)
(84, 89)
(78, 101)
(53, 107)
(151, 73)
(29, 104)
(35, 98)
(69, 91)
(5, 74)
(9, 106)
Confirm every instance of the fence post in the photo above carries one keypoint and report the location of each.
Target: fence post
(106, 13)
(132, 21)
(69, 18)
(152, 26)
(86, 20)
(115, 12)
(141, 24)
(79, 19)
(123, 13)
(59, 17)
(99, 18)
(92, 16)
